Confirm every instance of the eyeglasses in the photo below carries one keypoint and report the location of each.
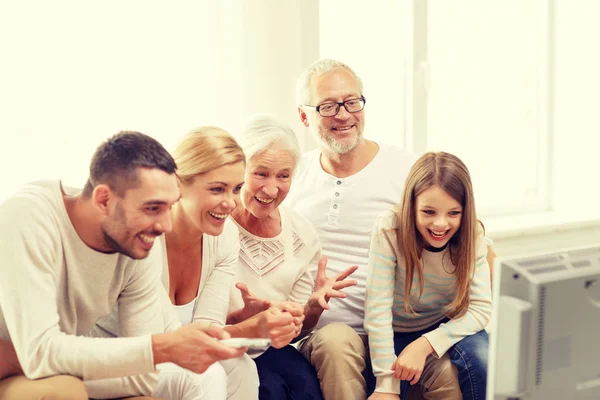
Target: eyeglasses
(331, 109)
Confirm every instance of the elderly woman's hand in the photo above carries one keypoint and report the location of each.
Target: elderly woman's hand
(252, 304)
(326, 288)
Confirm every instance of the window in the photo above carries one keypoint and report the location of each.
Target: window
(466, 77)
(486, 97)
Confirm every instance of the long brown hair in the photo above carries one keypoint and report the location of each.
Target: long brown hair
(449, 173)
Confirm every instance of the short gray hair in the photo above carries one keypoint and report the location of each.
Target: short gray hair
(317, 68)
(262, 132)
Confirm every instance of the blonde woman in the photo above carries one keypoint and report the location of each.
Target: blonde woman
(200, 254)
(199, 258)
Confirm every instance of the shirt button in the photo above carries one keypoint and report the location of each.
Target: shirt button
(339, 182)
(337, 194)
(334, 206)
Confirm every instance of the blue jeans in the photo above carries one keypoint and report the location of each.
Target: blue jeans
(470, 356)
(286, 375)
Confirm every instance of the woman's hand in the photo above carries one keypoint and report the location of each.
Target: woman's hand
(327, 288)
(410, 363)
(278, 325)
(296, 311)
(252, 304)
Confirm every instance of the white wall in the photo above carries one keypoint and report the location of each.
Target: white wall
(74, 73)
(278, 40)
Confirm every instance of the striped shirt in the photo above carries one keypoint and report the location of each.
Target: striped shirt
(384, 301)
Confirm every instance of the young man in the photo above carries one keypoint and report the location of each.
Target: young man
(67, 257)
(342, 187)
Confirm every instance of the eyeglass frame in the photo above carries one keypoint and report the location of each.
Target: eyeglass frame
(339, 105)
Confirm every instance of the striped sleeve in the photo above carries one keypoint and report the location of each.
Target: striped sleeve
(378, 304)
(478, 313)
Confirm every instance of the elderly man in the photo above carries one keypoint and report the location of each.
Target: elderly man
(67, 257)
(341, 187)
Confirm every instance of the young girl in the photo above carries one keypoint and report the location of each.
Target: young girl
(433, 248)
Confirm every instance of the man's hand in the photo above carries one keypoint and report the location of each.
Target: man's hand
(193, 346)
(410, 363)
(383, 396)
(327, 288)
(278, 325)
(9, 363)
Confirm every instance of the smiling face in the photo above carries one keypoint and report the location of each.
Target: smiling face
(136, 219)
(268, 181)
(340, 133)
(438, 216)
(212, 196)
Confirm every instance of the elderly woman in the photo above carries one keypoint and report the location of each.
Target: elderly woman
(280, 255)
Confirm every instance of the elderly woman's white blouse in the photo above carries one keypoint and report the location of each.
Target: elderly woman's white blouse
(279, 268)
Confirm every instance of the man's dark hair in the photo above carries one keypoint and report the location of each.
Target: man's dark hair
(116, 161)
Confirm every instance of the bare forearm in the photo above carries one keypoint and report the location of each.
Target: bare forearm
(161, 346)
(311, 317)
(235, 317)
(425, 345)
(245, 329)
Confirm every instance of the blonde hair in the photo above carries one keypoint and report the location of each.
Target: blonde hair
(449, 173)
(205, 149)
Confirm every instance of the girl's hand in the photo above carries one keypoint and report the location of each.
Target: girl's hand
(410, 363)
(383, 396)
(326, 288)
